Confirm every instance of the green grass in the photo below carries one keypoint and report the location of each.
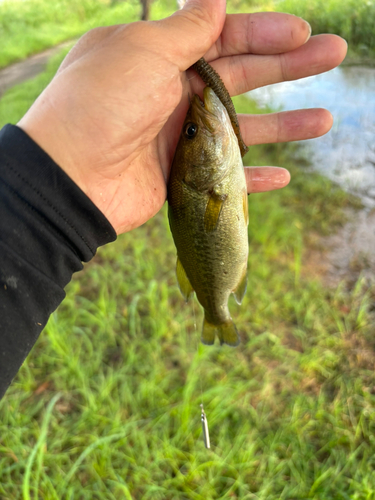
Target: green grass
(107, 404)
(351, 19)
(16, 101)
(29, 26)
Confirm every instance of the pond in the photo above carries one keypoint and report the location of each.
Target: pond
(347, 153)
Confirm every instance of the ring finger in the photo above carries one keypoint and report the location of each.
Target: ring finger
(285, 126)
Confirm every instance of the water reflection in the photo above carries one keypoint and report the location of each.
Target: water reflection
(347, 153)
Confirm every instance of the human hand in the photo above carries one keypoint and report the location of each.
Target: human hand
(112, 115)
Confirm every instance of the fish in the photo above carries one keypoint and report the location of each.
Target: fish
(208, 215)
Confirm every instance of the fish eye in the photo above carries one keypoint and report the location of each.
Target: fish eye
(191, 130)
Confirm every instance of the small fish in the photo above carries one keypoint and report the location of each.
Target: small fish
(208, 215)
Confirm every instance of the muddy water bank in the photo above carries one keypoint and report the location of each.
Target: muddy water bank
(346, 155)
(350, 252)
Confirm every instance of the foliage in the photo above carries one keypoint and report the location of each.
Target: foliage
(107, 404)
(351, 19)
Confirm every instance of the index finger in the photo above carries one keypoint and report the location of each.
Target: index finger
(260, 33)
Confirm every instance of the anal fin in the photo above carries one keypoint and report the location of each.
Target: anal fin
(183, 281)
(240, 290)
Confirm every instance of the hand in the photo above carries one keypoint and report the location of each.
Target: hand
(112, 115)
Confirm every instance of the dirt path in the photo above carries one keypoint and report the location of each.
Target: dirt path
(24, 70)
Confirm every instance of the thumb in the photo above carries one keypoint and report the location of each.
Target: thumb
(191, 31)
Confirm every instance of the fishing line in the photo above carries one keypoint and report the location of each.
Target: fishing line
(206, 435)
(197, 345)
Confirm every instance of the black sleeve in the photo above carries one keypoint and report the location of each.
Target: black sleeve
(48, 226)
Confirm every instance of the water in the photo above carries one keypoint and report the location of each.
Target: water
(347, 153)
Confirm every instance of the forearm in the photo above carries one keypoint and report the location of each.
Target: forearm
(48, 227)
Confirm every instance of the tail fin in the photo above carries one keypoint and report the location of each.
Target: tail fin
(227, 333)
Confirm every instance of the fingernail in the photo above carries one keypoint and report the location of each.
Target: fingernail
(183, 3)
(309, 31)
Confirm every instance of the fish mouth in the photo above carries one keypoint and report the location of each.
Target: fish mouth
(207, 111)
(211, 102)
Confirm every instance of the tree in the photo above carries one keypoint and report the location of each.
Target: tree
(145, 9)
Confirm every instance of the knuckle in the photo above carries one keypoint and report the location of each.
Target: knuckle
(199, 20)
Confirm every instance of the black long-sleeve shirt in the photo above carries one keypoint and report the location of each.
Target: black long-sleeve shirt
(48, 227)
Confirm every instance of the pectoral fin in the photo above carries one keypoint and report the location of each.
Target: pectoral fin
(213, 210)
(183, 281)
(240, 291)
